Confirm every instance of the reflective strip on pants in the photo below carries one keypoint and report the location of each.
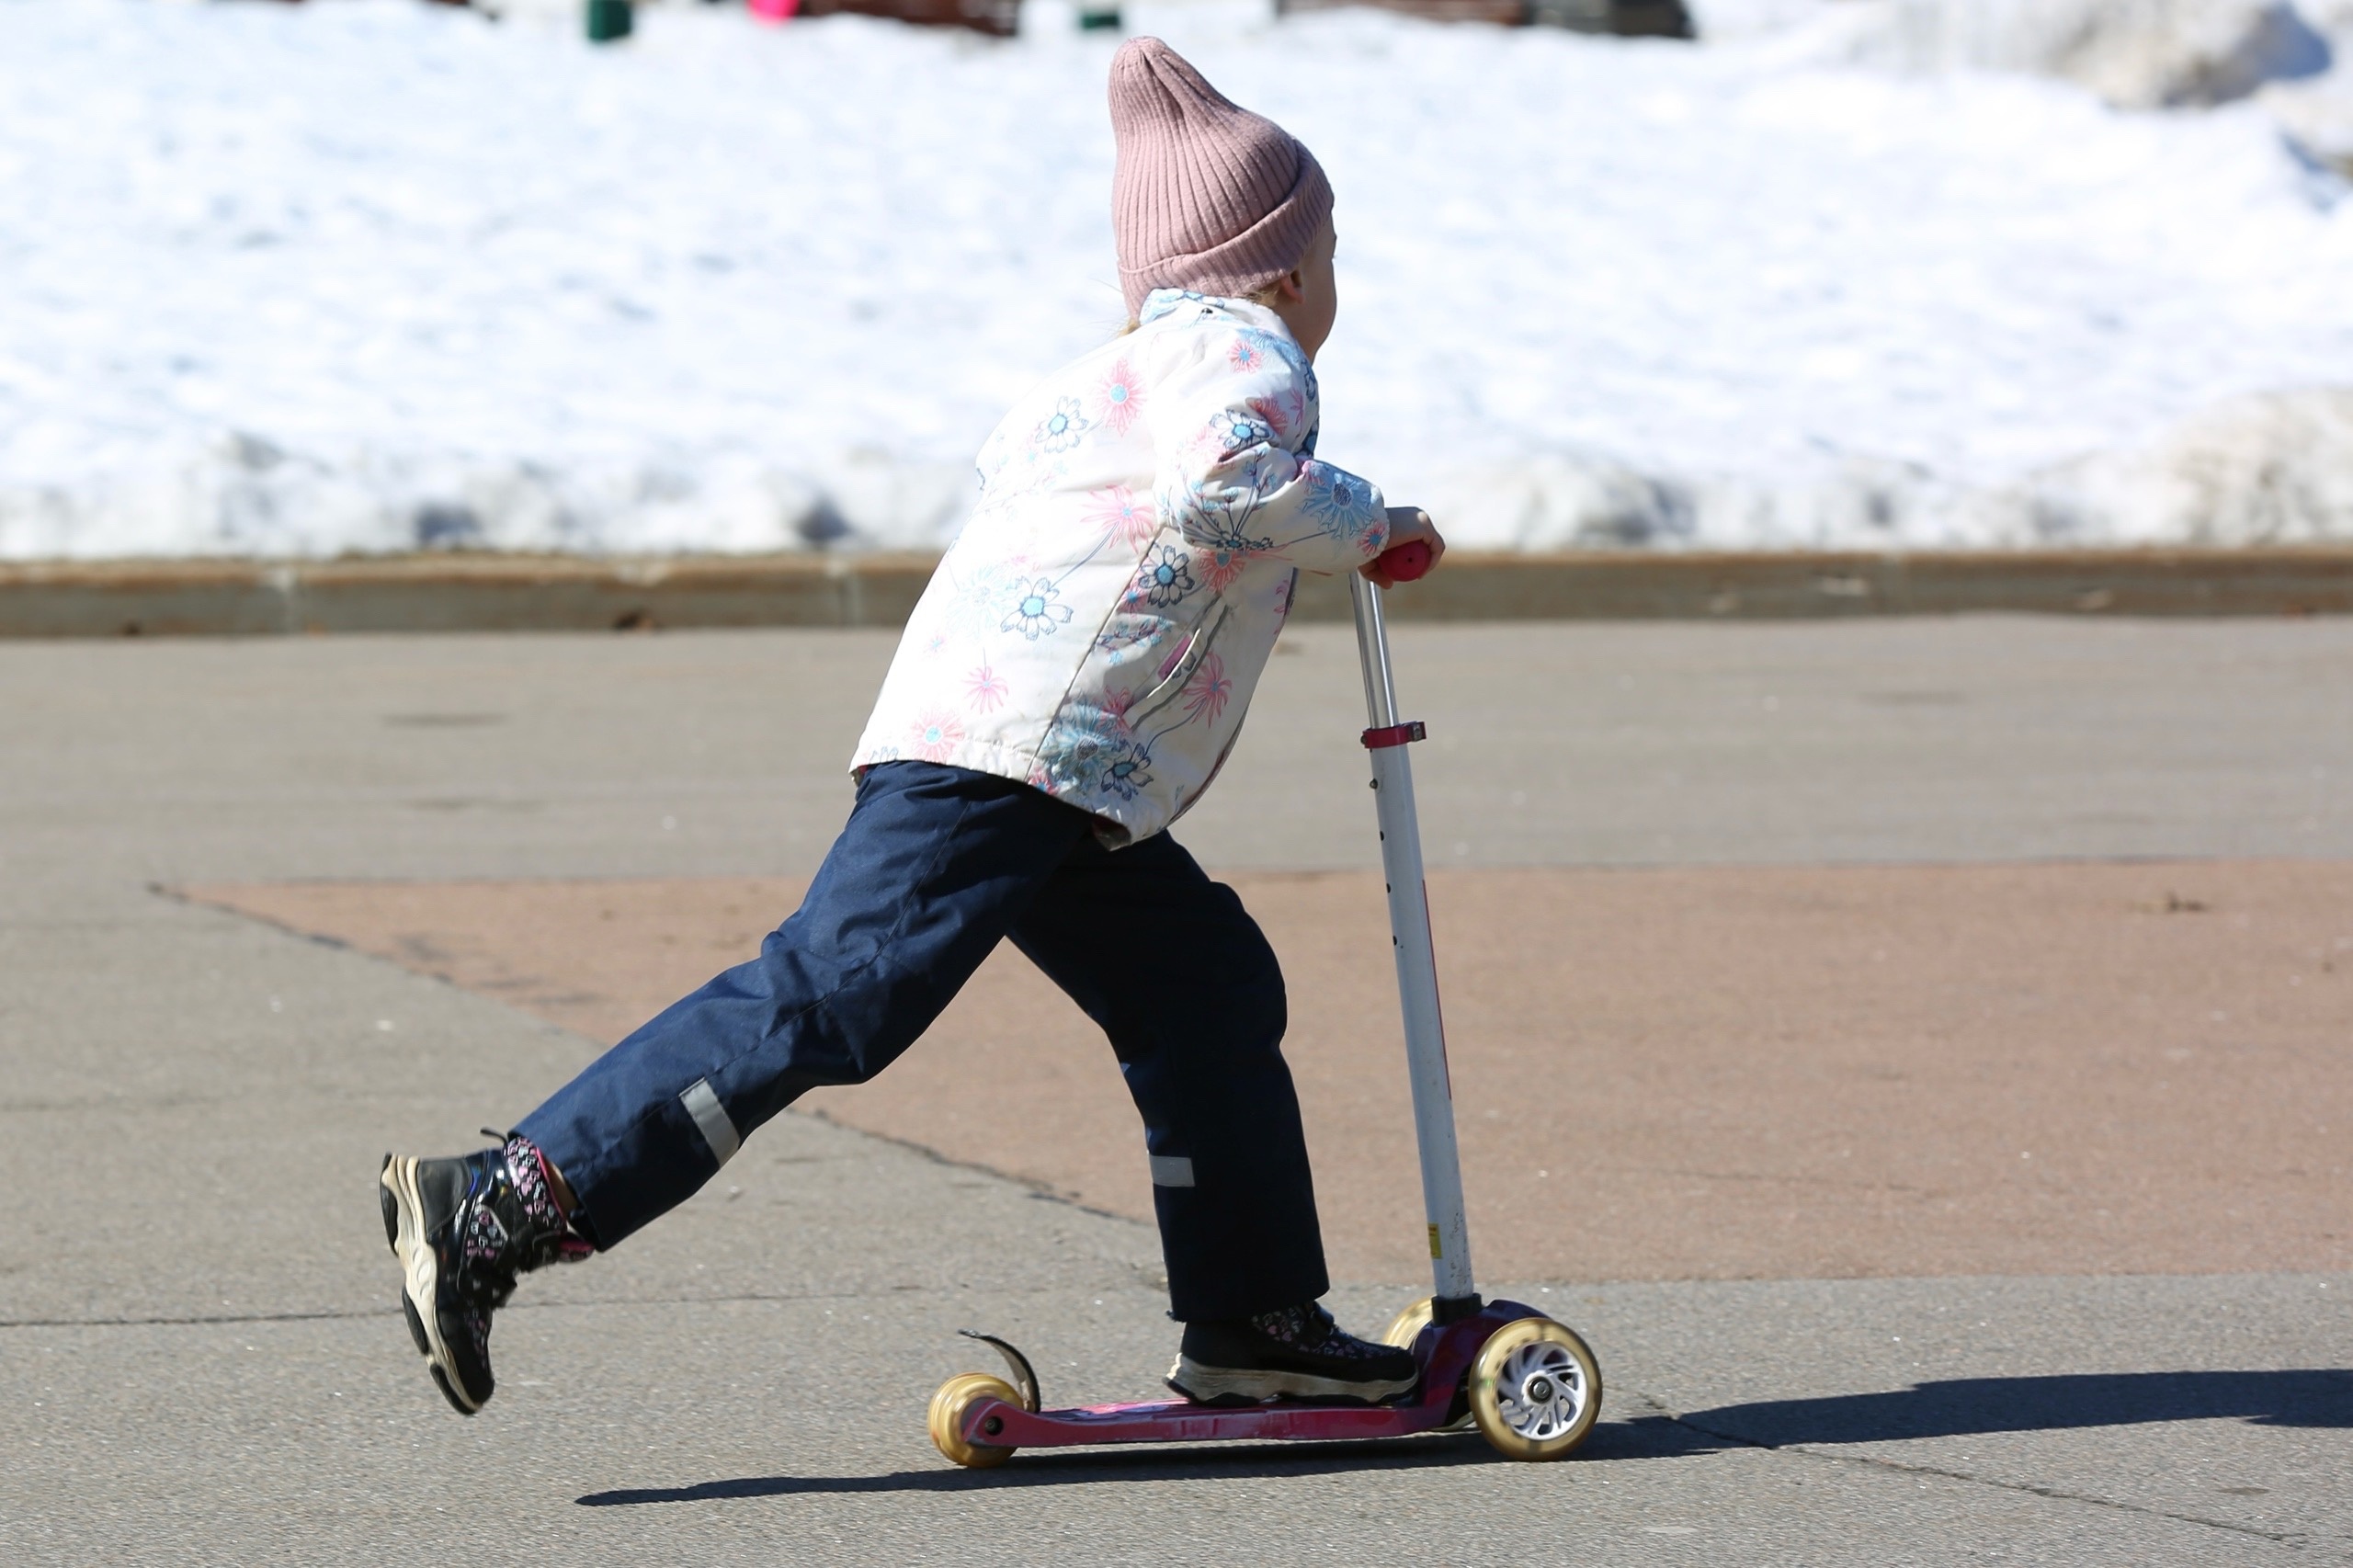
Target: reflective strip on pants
(702, 1104)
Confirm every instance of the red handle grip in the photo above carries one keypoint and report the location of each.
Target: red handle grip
(1405, 562)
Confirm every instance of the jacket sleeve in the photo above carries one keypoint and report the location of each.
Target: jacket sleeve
(1234, 423)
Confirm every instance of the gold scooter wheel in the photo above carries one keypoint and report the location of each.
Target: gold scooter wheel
(1407, 1325)
(1535, 1389)
(1404, 1331)
(955, 1401)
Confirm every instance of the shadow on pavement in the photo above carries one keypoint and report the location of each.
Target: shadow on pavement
(1962, 1407)
(1072, 1467)
(1970, 1405)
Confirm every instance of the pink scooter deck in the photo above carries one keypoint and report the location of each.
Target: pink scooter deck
(1445, 1354)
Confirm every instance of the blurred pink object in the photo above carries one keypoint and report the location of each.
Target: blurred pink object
(773, 10)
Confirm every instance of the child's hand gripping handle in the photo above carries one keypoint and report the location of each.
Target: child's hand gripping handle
(1403, 563)
(1416, 551)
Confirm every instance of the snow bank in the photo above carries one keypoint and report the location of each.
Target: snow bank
(293, 282)
(2275, 468)
(2268, 467)
(2317, 117)
(2135, 53)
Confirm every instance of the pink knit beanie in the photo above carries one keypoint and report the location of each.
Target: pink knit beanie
(1207, 196)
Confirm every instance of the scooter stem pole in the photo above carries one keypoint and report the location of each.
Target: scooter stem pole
(1409, 928)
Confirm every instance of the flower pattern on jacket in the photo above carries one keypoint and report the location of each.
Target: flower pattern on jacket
(1097, 627)
(935, 734)
(1221, 566)
(1166, 578)
(1207, 691)
(1342, 505)
(1123, 514)
(1063, 428)
(970, 606)
(1119, 400)
(984, 690)
(1034, 613)
(1090, 749)
(1284, 412)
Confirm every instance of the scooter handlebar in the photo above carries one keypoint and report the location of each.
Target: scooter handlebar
(1405, 563)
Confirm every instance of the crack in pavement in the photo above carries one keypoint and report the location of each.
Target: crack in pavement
(2293, 1541)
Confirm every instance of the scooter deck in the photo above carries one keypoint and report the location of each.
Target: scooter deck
(1180, 1421)
(1445, 1353)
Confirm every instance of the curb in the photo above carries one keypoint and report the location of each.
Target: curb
(503, 593)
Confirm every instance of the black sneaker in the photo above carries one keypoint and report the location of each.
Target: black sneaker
(1298, 1353)
(463, 1229)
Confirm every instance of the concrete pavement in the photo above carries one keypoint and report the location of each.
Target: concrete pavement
(198, 1361)
(1660, 1072)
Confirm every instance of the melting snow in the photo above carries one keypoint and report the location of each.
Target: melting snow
(374, 276)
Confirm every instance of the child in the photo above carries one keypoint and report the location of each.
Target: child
(1068, 684)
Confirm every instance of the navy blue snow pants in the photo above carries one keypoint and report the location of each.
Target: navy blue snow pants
(935, 865)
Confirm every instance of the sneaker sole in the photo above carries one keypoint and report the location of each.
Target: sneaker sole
(404, 1208)
(1231, 1385)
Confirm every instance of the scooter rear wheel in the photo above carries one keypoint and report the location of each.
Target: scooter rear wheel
(1535, 1389)
(955, 1401)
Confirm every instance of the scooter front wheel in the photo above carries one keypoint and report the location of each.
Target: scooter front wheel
(1407, 1325)
(1535, 1389)
(1405, 1331)
(953, 1402)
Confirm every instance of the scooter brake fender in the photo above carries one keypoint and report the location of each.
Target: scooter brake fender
(1024, 1378)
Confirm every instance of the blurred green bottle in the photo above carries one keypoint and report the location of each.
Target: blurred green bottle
(609, 20)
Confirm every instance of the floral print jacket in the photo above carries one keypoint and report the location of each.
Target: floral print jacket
(1097, 627)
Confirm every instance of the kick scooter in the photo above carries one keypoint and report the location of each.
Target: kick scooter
(1529, 1383)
